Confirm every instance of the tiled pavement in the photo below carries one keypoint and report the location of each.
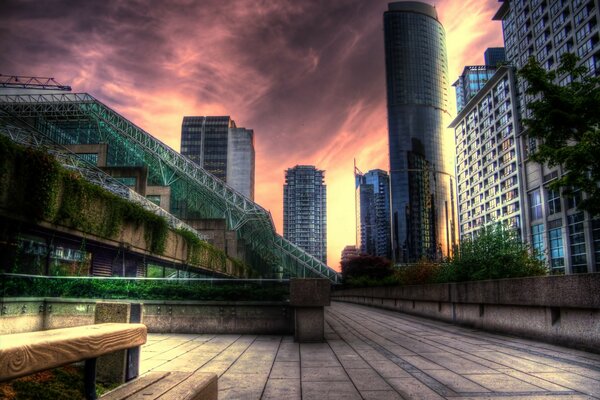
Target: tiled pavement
(379, 354)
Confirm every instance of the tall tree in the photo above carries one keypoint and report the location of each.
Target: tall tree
(566, 120)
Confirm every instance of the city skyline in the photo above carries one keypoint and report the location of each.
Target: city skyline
(309, 78)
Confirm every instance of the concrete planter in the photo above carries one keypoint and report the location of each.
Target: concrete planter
(34, 314)
(556, 309)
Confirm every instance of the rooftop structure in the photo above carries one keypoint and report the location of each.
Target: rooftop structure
(79, 119)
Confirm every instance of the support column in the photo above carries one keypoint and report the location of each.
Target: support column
(123, 365)
(309, 298)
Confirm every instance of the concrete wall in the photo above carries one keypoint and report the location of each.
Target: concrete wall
(34, 314)
(556, 309)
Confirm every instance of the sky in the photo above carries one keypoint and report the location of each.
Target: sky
(308, 76)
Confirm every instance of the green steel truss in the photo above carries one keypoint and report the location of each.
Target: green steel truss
(78, 118)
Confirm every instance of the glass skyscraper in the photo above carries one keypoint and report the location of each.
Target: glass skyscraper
(221, 148)
(373, 213)
(494, 56)
(305, 210)
(421, 154)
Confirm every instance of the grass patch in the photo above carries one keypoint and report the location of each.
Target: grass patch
(64, 383)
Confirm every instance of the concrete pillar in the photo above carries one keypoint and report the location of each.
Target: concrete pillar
(309, 298)
(123, 365)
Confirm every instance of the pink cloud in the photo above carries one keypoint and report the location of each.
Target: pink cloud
(307, 76)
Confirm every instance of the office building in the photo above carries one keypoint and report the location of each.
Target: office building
(221, 148)
(421, 154)
(305, 210)
(373, 213)
(488, 159)
(568, 238)
(494, 56)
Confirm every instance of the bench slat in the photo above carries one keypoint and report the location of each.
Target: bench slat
(168, 386)
(27, 353)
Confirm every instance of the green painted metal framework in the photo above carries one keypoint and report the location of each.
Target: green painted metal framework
(79, 118)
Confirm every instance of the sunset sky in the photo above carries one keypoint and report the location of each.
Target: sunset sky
(307, 76)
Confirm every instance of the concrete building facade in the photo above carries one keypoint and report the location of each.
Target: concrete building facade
(568, 238)
(488, 158)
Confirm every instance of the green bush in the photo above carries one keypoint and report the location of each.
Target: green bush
(495, 252)
(141, 289)
(420, 273)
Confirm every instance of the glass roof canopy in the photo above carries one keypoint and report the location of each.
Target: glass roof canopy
(78, 118)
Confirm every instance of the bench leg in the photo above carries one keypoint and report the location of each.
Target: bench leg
(89, 379)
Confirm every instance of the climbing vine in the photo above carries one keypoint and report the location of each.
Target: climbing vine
(204, 254)
(34, 186)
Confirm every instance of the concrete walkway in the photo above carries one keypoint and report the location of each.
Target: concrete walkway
(378, 354)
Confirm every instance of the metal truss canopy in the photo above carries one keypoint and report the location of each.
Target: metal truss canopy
(78, 118)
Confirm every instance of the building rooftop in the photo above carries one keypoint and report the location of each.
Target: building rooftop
(377, 354)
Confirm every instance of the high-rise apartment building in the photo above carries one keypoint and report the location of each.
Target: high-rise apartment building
(470, 82)
(488, 159)
(474, 77)
(305, 209)
(421, 155)
(545, 29)
(221, 148)
(373, 213)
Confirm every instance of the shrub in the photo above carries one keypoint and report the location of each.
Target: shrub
(422, 272)
(494, 253)
(372, 267)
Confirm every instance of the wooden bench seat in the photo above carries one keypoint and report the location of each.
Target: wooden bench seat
(27, 353)
(168, 386)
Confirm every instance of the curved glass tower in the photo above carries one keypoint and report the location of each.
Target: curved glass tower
(421, 155)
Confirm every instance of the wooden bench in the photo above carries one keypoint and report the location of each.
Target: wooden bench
(27, 353)
(168, 386)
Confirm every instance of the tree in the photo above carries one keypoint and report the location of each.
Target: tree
(495, 252)
(372, 267)
(566, 120)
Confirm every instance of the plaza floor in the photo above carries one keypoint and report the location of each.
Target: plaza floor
(378, 354)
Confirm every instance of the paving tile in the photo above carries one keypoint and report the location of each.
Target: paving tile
(411, 388)
(503, 383)
(282, 389)
(421, 363)
(457, 364)
(517, 363)
(285, 370)
(456, 382)
(388, 369)
(323, 374)
(329, 391)
(522, 397)
(288, 351)
(573, 381)
(367, 379)
(380, 395)
(241, 386)
(534, 380)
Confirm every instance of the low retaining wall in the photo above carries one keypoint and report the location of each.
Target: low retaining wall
(556, 309)
(35, 314)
